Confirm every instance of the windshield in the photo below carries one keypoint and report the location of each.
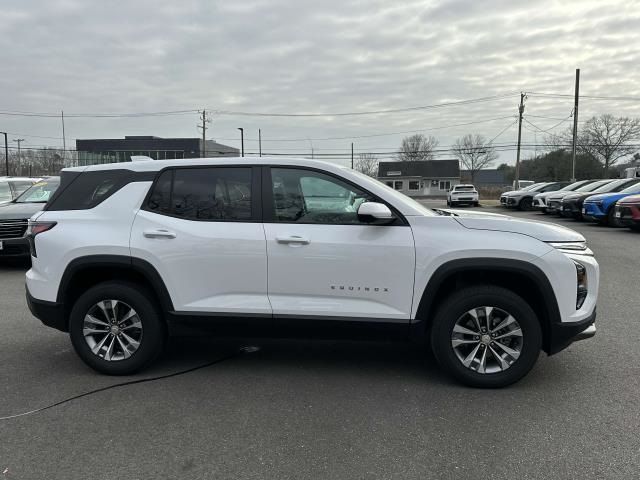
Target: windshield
(613, 186)
(537, 187)
(401, 197)
(39, 192)
(593, 186)
(635, 188)
(574, 186)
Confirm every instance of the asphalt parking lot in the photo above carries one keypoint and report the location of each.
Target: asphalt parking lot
(302, 409)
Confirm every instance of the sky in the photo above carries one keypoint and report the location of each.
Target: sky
(301, 57)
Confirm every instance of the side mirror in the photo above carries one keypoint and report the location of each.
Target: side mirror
(376, 211)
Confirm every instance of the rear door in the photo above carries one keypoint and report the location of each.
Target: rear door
(200, 228)
(325, 261)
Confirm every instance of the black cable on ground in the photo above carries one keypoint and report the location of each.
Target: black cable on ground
(133, 382)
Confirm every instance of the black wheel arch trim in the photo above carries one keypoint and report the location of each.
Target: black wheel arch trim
(138, 265)
(420, 324)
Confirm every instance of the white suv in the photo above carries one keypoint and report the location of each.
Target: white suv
(462, 195)
(280, 247)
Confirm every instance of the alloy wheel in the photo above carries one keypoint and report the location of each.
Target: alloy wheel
(487, 339)
(112, 330)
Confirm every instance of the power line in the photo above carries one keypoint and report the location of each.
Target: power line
(260, 114)
(374, 134)
(592, 97)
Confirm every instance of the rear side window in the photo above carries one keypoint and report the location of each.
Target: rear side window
(208, 193)
(89, 189)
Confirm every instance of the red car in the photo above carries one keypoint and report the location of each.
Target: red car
(628, 212)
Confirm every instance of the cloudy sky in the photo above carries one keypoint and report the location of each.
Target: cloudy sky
(334, 56)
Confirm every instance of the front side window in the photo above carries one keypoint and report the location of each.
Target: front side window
(5, 192)
(305, 196)
(208, 193)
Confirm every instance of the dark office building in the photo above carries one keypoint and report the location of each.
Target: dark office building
(109, 150)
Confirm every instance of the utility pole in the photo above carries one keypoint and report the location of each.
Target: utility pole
(242, 140)
(203, 126)
(351, 155)
(6, 152)
(19, 140)
(521, 111)
(64, 139)
(575, 126)
(259, 142)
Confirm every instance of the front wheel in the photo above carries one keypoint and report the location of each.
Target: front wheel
(525, 204)
(486, 336)
(116, 329)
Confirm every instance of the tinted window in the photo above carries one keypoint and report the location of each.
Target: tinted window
(89, 189)
(209, 193)
(305, 196)
(635, 188)
(592, 186)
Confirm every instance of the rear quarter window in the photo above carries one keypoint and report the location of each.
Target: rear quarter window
(89, 189)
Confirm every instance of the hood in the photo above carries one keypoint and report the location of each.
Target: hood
(630, 199)
(612, 196)
(17, 211)
(514, 192)
(546, 232)
(466, 213)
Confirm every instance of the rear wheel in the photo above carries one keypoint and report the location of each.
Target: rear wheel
(486, 336)
(525, 204)
(115, 328)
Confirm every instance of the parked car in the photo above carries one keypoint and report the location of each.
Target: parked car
(572, 205)
(540, 199)
(14, 217)
(627, 212)
(11, 187)
(122, 251)
(505, 195)
(554, 202)
(600, 207)
(523, 199)
(520, 184)
(465, 194)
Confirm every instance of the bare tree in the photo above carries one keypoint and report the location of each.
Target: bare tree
(474, 152)
(417, 147)
(367, 164)
(608, 138)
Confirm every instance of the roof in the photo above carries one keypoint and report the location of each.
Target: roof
(155, 165)
(422, 168)
(487, 176)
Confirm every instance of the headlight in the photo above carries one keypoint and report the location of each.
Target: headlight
(577, 248)
(581, 275)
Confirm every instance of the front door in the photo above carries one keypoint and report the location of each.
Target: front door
(201, 230)
(326, 261)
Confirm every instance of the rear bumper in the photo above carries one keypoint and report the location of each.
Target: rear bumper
(15, 247)
(49, 313)
(561, 335)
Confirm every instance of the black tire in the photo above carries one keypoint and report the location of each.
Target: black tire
(452, 204)
(154, 330)
(476, 204)
(611, 219)
(635, 227)
(456, 305)
(448, 203)
(525, 204)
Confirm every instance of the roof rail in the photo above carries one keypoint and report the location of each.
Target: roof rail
(140, 158)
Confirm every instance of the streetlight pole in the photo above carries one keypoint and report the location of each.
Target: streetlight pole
(6, 152)
(242, 140)
(260, 142)
(19, 140)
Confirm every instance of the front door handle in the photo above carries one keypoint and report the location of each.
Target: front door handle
(158, 234)
(295, 239)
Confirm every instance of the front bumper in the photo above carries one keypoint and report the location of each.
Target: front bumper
(14, 247)
(539, 204)
(553, 206)
(628, 215)
(49, 313)
(570, 209)
(593, 211)
(563, 334)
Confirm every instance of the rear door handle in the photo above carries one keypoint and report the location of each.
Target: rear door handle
(158, 234)
(293, 239)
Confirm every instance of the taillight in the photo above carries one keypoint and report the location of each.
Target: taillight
(34, 229)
